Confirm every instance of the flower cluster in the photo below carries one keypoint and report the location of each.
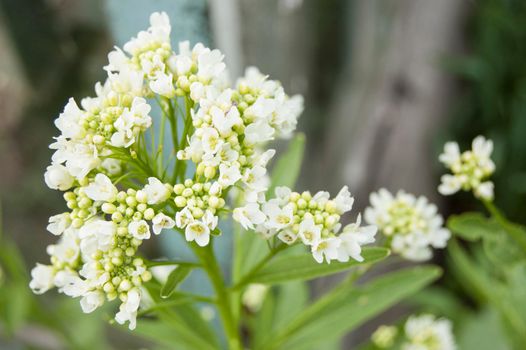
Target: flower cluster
(116, 186)
(471, 169)
(424, 332)
(313, 220)
(411, 225)
(96, 257)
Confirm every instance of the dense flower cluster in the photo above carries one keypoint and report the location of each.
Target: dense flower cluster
(471, 169)
(118, 191)
(424, 332)
(411, 225)
(312, 220)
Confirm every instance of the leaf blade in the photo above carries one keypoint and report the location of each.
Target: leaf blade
(175, 278)
(304, 267)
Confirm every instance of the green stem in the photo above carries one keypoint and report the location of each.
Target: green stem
(150, 263)
(224, 306)
(246, 279)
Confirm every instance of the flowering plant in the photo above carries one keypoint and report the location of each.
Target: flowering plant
(124, 184)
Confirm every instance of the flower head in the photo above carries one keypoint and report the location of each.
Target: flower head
(470, 169)
(410, 225)
(426, 332)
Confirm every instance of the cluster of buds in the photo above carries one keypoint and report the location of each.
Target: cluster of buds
(471, 169)
(313, 220)
(198, 204)
(410, 225)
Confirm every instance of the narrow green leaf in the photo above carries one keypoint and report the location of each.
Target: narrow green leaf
(174, 279)
(171, 334)
(472, 226)
(345, 309)
(304, 267)
(287, 168)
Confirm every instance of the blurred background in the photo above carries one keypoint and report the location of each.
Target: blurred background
(386, 83)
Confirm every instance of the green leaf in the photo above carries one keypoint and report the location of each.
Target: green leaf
(503, 250)
(174, 279)
(287, 168)
(181, 322)
(472, 226)
(304, 267)
(344, 309)
(482, 331)
(282, 303)
(171, 334)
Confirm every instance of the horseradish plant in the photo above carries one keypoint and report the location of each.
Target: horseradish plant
(123, 186)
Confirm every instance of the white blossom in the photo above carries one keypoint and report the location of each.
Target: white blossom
(139, 229)
(199, 232)
(249, 216)
(101, 189)
(162, 221)
(57, 177)
(42, 278)
(156, 191)
(59, 223)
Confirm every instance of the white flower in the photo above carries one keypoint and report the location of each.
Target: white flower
(258, 132)
(211, 140)
(81, 159)
(471, 169)
(450, 184)
(57, 177)
(128, 309)
(161, 221)
(411, 225)
(58, 223)
(426, 332)
(249, 216)
(67, 249)
(210, 220)
(209, 65)
(139, 229)
(485, 190)
(183, 218)
(326, 248)
(199, 232)
(309, 232)
(101, 189)
(69, 121)
(278, 218)
(156, 191)
(163, 85)
(228, 175)
(96, 234)
(451, 155)
(42, 278)
(353, 238)
(343, 200)
(91, 301)
(288, 236)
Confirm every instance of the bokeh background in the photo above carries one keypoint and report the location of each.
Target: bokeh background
(386, 83)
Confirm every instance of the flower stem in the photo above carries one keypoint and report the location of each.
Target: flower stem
(259, 266)
(224, 304)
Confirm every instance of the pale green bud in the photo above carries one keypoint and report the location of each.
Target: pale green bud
(149, 214)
